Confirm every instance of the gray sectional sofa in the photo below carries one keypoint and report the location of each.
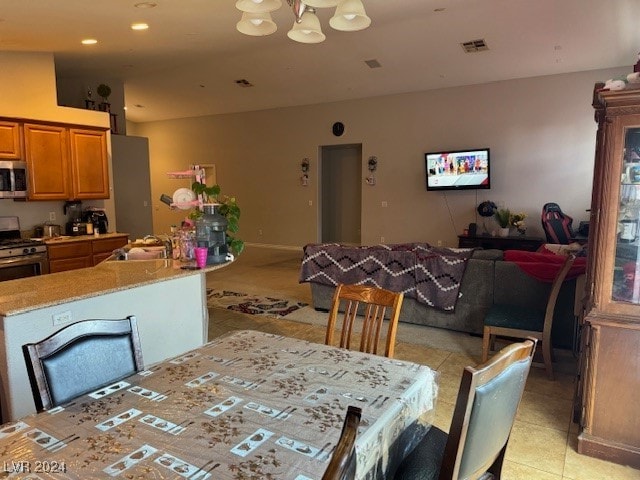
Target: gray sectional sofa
(487, 279)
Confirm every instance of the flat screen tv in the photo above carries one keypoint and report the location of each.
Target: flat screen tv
(458, 169)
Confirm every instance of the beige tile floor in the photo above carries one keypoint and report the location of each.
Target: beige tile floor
(543, 441)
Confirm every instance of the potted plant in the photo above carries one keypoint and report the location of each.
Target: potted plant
(104, 91)
(227, 207)
(503, 217)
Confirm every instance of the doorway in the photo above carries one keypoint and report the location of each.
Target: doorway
(341, 193)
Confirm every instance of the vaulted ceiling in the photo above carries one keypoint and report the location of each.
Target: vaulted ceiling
(190, 60)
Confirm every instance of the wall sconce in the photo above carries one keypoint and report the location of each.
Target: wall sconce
(304, 166)
(372, 165)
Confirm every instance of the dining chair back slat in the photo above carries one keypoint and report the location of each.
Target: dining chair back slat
(372, 305)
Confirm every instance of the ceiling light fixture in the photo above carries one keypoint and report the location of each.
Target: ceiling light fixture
(139, 26)
(89, 41)
(256, 20)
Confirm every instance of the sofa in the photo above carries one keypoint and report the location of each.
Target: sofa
(487, 279)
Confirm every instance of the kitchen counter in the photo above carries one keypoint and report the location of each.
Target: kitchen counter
(32, 293)
(169, 302)
(81, 238)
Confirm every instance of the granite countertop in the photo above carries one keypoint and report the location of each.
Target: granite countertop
(81, 238)
(32, 293)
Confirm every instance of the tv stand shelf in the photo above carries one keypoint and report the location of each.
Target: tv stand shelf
(516, 242)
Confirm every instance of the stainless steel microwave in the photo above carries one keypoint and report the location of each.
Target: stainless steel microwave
(13, 179)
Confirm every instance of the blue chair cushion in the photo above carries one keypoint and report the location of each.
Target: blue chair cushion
(424, 462)
(514, 316)
(88, 364)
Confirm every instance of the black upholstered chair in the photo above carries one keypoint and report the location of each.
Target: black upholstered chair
(82, 357)
(342, 465)
(515, 321)
(485, 410)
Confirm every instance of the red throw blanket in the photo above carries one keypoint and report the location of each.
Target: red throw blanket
(544, 266)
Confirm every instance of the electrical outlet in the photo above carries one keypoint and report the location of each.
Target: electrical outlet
(381, 239)
(62, 317)
(311, 203)
(52, 216)
(384, 204)
(259, 231)
(439, 243)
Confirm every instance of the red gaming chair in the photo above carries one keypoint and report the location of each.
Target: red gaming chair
(556, 225)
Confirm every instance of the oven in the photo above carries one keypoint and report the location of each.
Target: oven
(22, 266)
(20, 257)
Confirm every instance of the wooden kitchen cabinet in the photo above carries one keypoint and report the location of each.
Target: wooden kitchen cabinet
(103, 248)
(609, 379)
(47, 157)
(89, 164)
(70, 256)
(83, 252)
(10, 140)
(66, 163)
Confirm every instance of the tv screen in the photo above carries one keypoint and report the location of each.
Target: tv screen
(458, 170)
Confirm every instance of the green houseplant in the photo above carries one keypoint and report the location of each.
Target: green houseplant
(227, 207)
(503, 217)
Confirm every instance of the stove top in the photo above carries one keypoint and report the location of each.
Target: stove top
(17, 242)
(11, 245)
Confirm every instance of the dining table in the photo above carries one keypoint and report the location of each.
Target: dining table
(247, 405)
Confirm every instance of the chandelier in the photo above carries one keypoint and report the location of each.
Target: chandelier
(256, 18)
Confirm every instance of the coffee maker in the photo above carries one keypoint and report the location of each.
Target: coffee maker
(73, 210)
(98, 218)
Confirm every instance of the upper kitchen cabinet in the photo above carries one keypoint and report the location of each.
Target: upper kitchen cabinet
(89, 165)
(47, 157)
(10, 140)
(66, 163)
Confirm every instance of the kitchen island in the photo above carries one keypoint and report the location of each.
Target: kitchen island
(168, 300)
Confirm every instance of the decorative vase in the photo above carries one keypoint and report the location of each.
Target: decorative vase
(503, 232)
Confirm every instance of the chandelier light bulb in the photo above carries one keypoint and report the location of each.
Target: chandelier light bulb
(308, 30)
(322, 3)
(258, 6)
(350, 17)
(256, 24)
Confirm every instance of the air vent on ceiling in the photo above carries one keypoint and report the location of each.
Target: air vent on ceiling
(475, 46)
(244, 83)
(373, 63)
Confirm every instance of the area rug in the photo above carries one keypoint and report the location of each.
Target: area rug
(251, 304)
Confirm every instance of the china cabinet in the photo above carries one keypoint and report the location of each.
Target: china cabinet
(609, 381)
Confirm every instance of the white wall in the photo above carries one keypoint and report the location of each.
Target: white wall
(28, 86)
(540, 130)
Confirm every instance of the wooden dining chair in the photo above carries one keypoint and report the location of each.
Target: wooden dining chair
(371, 304)
(516, 321)
(82, 357)
(342, 465)
(485, 410)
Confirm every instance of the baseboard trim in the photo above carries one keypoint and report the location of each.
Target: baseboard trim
(608, 450)
(275, 247)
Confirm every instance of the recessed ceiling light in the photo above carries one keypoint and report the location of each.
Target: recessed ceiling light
(89, 41)
(145, 5)
(139, 26)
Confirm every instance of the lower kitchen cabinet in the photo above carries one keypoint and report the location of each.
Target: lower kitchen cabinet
(82, 252)
(103, 248)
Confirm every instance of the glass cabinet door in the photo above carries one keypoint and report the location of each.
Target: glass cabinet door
(626, 277)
